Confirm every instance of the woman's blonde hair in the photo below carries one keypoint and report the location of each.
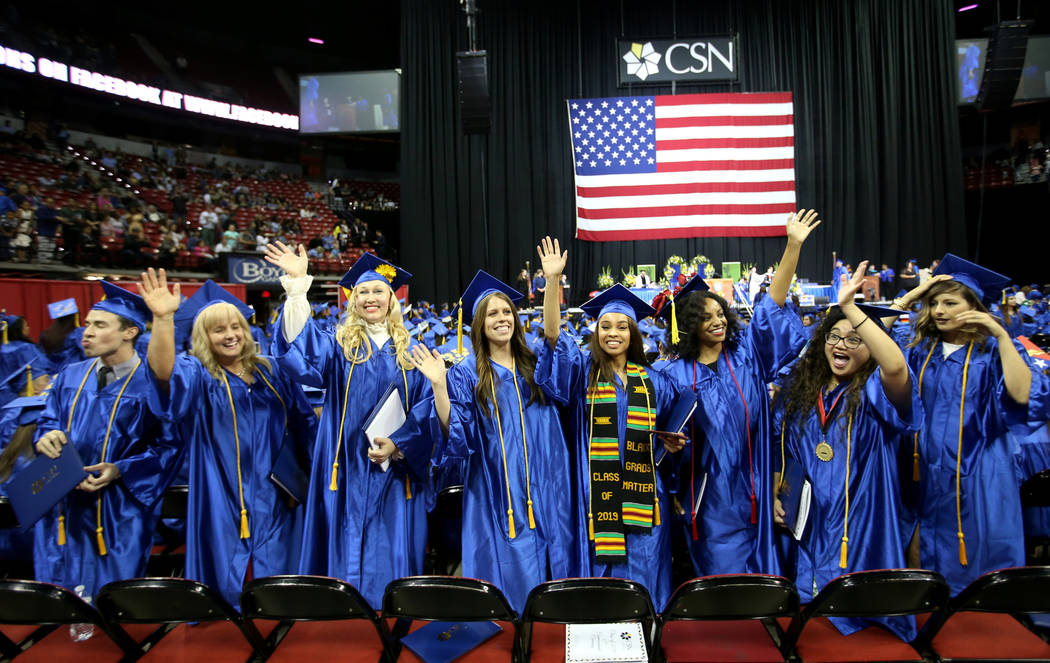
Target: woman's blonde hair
(223, 313)
(353, 339)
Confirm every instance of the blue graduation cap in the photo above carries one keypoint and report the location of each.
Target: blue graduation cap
(124, 303)
(62, 308)
(29, 407)
(876, 313)
(209, 293)
(1035, 295)
(985, 283)
(370, 267)
(618, 299)
(695, 284)
(25, 372)
(481, 286)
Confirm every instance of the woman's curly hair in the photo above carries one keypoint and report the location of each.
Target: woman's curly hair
(690, 313)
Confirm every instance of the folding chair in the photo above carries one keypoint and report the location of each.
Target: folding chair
(871, 594)
(8, 520)
(986, 621)
(727, 617)
(34, 612)
(1035, 493)
(581, 601)
(327, 615)
(172, 604)
(450, 599)
(445, 530)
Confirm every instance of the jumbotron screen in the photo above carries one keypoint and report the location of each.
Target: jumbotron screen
(970, 56)
(350, 102)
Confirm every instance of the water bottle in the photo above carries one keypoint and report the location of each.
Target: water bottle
(81, 632)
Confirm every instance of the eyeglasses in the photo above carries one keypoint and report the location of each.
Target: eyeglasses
(851, 342)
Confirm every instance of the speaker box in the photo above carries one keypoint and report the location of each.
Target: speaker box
(475, 109)
(1007, 43)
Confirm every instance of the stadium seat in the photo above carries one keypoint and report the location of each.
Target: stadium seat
(450, 599)
(727, 618)
(865, 594)
(315, 617)
(986, 621)
(555, 603)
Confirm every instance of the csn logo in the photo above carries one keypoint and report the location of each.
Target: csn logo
(686, 59)
(251, 271)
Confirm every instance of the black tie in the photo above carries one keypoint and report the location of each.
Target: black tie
(103, 376)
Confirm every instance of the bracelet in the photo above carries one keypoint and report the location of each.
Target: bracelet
(900, 303)
(866, 318)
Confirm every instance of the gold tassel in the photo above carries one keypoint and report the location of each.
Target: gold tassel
(244, 524)
(962, 549)
(408, 488)
(590, 526)
(101, 541)
(335, 473)
(29, 382)
(656, 513)
(510, 521)
(459, 333)
(5, 333)
(915, 467)
(842, 554)
(532, 518)
(76, 319)
(253, 317)
(61, 530)
(674, 323)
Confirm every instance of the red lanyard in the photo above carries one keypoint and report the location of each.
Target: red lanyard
(825, 414)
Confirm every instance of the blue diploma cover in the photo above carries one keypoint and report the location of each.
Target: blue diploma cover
(441, 642)
(41, 484)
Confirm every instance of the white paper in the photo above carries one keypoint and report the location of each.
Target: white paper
(605, 643)
(803, 510)
(389, 417)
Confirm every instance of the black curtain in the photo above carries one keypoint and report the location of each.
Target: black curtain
(877, 146)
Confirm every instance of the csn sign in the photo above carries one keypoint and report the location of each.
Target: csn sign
(683, 60)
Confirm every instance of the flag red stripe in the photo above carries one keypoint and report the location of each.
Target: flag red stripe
(684, 166)
(695, 187)
(723, 98)
(684, 210)
(674, 233)
(700, 143)
(724, 120)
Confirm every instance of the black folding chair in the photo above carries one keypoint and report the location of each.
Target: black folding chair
(311, 604)
(1035, 493)
(445, 523)
(585, 601)
(727, 617)
(448, 599)
(865, 594)
(172, 603)
(8, 520)
(30, 603)
(988, 620)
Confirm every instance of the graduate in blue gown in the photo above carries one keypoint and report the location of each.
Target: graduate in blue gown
(103, 530)
(615, 402)
(61, 341)
(727, 470)
(16, 351)
(235, 411)
(968, 510)
(362, 524)
(519, 529)
(17, 427)
(840, 416)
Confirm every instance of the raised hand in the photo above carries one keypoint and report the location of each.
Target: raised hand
(430, 364)
(294, 263)
(552, 258)
(984, 322)
(801, 224)
(155, 293)
(850, 288)
(918, 291)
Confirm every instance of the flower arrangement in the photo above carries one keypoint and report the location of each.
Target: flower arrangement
(605, 279)
(628, 278)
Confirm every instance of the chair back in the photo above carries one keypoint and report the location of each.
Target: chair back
(745, 596)
(446, 598)
(588, 601)
(885, 593)
(175, 503)
(303, 598)
(162, 601)
(1024, 589)
(31, 602)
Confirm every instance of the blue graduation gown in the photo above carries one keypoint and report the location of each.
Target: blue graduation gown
(551, 550)
(725, 540)
(562, 374)
(876, 538)
(372, 529)
(142, 447)
(200, 406)
(990, 476)
(13, 356)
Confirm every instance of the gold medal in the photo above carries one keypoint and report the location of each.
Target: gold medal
(825, 452)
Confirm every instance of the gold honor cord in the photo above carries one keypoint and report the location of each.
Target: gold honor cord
(339, 437)
(524, 446)
(503, 453)
(69, 426)
(915, 450)
(845, 519)
(105, 447)
(958, 460)
(245, 532)
(590, 441)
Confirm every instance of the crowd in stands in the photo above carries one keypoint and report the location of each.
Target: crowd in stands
(1024, 164)
(86, 205)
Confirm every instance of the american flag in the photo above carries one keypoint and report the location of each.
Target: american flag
(691, 165)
